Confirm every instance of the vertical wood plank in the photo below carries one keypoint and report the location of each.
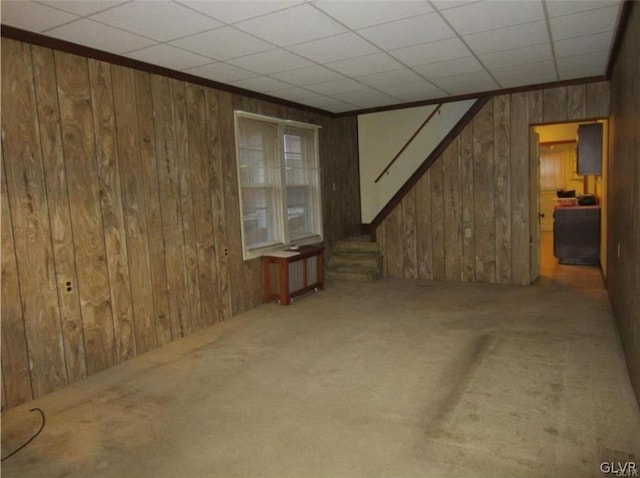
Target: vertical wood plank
(484, 194)
(199, 166)
(74, 96)
(576, 102)
(151, 197)
(519, 169)
(170, 205)
(30, 220)
(381, 239)
(597, 98)
(554, 104)
(395, 256)
(16, 376)
(409, 235)
(218, 205)
(111, 205)
(424, 246)
(133, 201)
(502, 204)
(452, 199)
(534, 106)
(232, 206)
(58, 200)
(186, 204)
(468, 221)
(437, 221)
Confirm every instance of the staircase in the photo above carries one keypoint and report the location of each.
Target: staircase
(355, 259)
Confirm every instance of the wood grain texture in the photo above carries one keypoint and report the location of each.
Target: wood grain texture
(58, 201)
(623, 272)
(597, 100)
(111, 206)
(394, 249)
(409, 235)
(534, 105)
(15, 356)
(468, 218)
(502, 199)
(186, 204)
(74, 95)
(381, 240)
(437, 221)
(554, 104)
(132, 181)
(153, 215)
(224, 309)
(30, 221)
(199, 166)
(424, 245)
(576, 102)
(452, 204)
(170, 205)
(519, 172)
(484, 194)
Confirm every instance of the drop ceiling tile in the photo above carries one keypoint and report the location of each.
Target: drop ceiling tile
(431, 52)
(444, 4)
(293, 94)
(557, 8)
(410, 31)
(169, 57)
(33, 16)
(328, 103)
(530, 73)
(367, 98)
(102, 37)
(308, 76)
(272, 61)
(483, 16)
(457, 66)
(222, 72)
(355, 16)
(364, 65)
(83, 8)
(334, 48)
(516, 56)
(467, 83)
(263, 84)
(389, 78)
(293, 25)
(235, 11)
(223, 43)
(336, 86)
(583, 45)
(592, 64)
(509, 37)
(585, 23)
(161, 21)
(413, 91)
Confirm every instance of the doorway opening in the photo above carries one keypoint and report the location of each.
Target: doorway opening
(572, 206)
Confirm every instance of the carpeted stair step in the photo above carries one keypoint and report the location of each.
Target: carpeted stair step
(356, 246)
(353, 274)
(371, 260)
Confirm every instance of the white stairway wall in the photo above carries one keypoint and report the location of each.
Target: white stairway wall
(380, 137)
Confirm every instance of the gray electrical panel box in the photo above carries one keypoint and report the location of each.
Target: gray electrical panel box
(590, 149)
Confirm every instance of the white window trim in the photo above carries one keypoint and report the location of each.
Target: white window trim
(256, 252)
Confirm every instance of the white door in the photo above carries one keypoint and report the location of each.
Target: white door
(534, 205)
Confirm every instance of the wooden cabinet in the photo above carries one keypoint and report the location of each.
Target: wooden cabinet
(590, 149)
(291, 273)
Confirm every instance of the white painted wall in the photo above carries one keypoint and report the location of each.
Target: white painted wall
(382, 135)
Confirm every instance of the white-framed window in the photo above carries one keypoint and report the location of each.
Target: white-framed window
(279, 183)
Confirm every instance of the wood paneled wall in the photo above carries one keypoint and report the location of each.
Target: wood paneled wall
(623, 271)
(467, 219)
(120, 216)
